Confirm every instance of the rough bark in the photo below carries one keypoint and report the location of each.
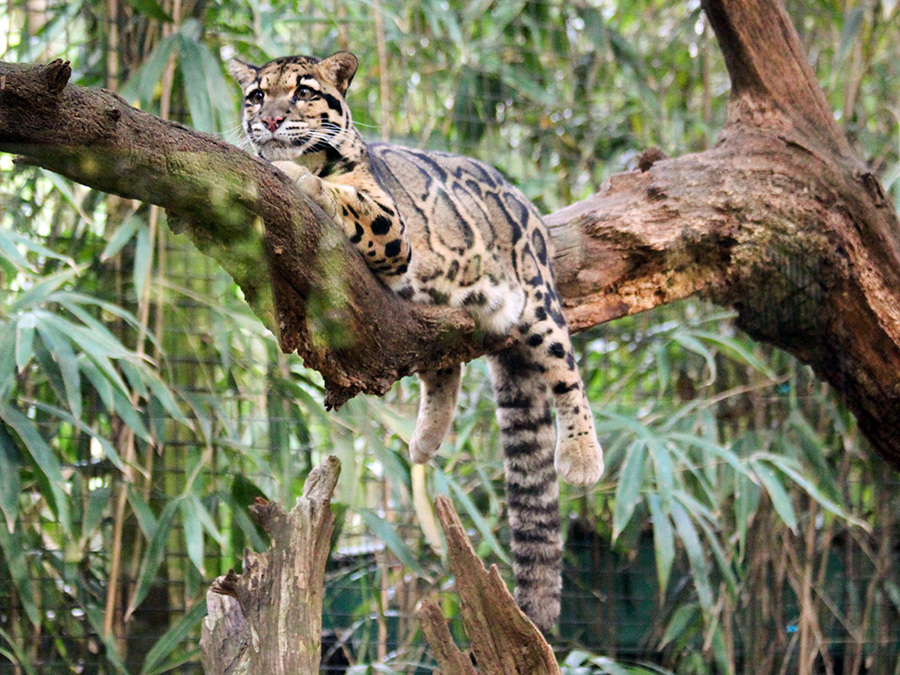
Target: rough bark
(780, 221)
(503, 639)
(268, 619)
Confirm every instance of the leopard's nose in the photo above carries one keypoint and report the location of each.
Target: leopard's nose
(272, 123)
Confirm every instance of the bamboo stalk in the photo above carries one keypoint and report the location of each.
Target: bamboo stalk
(130, 453)
(382, 70)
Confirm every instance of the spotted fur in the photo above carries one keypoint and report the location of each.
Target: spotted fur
(440, 228)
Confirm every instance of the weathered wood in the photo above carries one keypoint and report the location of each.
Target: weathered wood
(780, 221)
(503, 639)
(268, 619)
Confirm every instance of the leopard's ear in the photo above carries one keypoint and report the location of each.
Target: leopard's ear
(339, 70)
(244, 73)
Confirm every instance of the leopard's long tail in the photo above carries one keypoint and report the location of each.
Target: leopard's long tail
(532, 489)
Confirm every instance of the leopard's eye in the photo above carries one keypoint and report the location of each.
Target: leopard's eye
(256, 96)
(303, 94)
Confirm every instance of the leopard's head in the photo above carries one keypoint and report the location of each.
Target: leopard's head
(294, 106)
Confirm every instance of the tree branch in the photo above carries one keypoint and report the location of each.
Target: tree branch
(779, 221)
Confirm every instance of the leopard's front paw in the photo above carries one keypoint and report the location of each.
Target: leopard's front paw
(292, 170)
(311, 185)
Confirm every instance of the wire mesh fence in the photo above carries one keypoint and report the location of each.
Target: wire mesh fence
(557, 95)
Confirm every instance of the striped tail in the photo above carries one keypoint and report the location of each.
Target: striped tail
(532, 489)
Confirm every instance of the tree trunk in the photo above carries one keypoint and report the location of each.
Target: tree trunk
(504, 641)
(780, 221)
(268, 619)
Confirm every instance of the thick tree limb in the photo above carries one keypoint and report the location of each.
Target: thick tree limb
(780, 221)
(504, 641)
(268, 619)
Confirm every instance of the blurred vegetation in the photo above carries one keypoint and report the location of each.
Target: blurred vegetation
(742, 525)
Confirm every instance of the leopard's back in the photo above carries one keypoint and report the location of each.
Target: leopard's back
(477, 240)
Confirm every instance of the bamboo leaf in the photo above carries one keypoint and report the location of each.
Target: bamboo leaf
(17, 656)
(711, 447)
(153, 556)
(683, 622)
(71, 300)
(126, 410)
(423, 509)
(104, 443)
(195, 84)
(738, 350)
(50, 369)
(815, 451)
(143, 260)
(95, 616)
(94, 339)
(746, 503)
(60, 349)
(96, 509)
(692, 344)
(135, 377)
(172, 639)
(387, 533)
(852, 22)
(7, 357)
(781, 501)
(164, 395)
(664, 471)
(663, 542)
(10, 251)
(193, 533)
(16, 564)
(243, 493)
(628, 492)
(142, 85)
(38, 293)
(101, 385)
(9, 240)
(725, 566)
(143, 512)
(47, 467)
(10, 462)
(607, 665)
(218, 88)
(123, 234)
(785, 465)
(151, 9)
(25, 339)
(696, 557)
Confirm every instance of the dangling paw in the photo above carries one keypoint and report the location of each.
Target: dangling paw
(425, 444)
(436, 405)
(579, 459)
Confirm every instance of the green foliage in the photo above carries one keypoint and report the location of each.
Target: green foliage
(143, 407)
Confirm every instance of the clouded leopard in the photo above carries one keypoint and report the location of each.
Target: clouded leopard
(439, 228)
